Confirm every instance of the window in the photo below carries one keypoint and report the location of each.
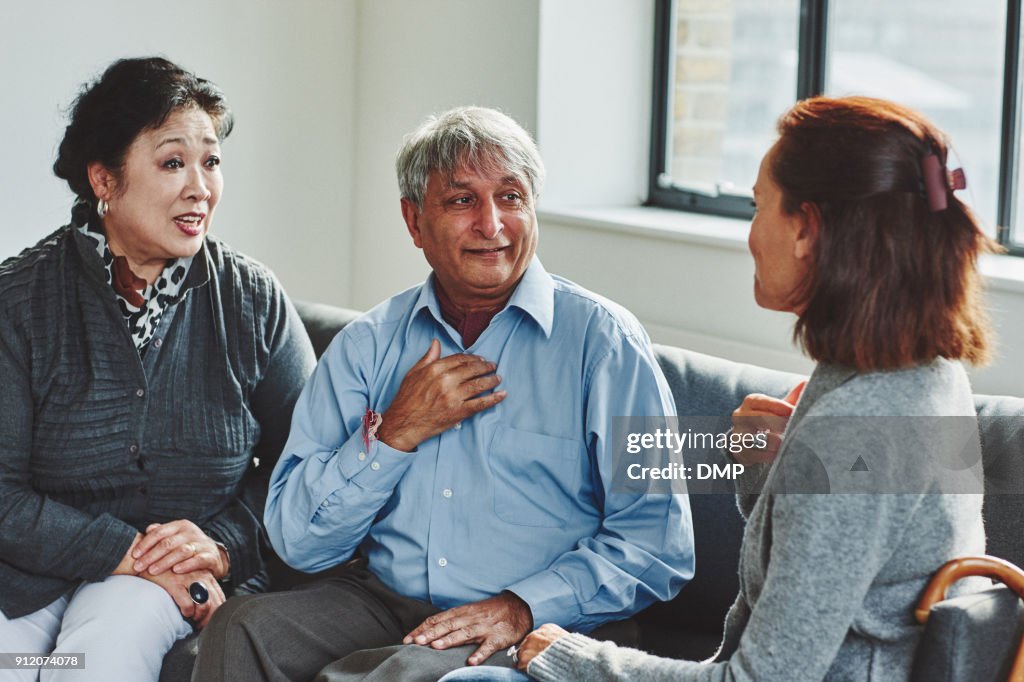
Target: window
(725, 70)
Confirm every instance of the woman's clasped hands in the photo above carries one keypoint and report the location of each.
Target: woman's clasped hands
(177, 554)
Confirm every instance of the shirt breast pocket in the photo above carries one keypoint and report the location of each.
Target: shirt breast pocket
(536, 477)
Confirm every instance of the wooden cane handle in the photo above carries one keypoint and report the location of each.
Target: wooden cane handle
(987, 566)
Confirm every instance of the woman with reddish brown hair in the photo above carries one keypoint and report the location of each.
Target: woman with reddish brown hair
(893, 280)
(874, 482)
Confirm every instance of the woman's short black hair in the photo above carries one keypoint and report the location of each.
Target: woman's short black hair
(132, 95)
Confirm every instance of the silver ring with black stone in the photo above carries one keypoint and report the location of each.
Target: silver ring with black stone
(198, 592)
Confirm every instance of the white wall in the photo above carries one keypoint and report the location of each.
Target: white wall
(594, 86)
(324, 91)
(288, 71)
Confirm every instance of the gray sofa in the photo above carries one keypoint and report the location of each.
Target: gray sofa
(690, 626)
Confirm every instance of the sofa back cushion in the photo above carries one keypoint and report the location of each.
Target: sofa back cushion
(1001, 420)
(323, 322)
(706, 386)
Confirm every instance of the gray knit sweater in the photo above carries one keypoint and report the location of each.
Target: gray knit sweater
(828, 582)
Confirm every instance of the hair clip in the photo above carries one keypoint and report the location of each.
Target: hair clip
(957, 179)
(938, 182)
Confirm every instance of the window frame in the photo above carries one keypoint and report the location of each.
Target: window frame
(812, 55)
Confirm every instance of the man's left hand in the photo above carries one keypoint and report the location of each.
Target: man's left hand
(494, 624)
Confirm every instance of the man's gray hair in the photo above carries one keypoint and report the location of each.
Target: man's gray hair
(475, 137)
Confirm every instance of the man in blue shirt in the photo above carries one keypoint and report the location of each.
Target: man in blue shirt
(457, 439)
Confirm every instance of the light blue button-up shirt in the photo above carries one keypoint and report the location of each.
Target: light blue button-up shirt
(517, 497)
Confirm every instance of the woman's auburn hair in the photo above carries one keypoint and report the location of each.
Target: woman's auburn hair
(891, 283)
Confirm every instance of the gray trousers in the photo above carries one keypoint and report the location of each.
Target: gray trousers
(339, 629)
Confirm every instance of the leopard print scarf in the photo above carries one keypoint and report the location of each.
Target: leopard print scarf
(141, 304)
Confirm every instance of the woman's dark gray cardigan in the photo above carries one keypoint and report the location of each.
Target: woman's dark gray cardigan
(96, 443)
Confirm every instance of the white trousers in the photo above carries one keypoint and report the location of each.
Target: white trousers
(124, 626)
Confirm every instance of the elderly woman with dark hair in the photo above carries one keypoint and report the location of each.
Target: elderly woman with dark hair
(148, 372)
(858, 233)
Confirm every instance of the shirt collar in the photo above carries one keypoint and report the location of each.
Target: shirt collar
(534, 295)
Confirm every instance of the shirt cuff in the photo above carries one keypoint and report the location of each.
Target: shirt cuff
(377, 468)
(550, 598)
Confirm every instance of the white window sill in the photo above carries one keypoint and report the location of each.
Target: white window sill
(1002, 273)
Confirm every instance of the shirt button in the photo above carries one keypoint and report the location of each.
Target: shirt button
(326, 503)
(157, 343)
(447, 492)
(375, 466)
(141, 392)
(362, 456)
(458, 425)
(442, 562)
(133, 448)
